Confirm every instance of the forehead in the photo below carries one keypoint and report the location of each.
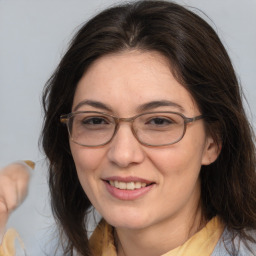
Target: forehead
(132, 78)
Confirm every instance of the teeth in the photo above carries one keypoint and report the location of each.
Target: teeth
(139, 184)
(122, 185)
(128, 185)
(143, 185)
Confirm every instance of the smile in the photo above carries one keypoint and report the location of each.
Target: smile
(127, 185)
(128, 188)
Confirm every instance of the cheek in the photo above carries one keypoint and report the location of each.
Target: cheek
(87, 161)
(178, 159)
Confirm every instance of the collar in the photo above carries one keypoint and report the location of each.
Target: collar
(201, 243)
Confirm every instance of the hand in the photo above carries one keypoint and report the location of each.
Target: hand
(14, 180)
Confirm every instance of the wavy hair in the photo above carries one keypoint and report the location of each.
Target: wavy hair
(201, 64)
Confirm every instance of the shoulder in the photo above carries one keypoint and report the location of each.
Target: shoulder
(226, 246)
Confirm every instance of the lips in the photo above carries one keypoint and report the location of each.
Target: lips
(128, 188)
(127, 185)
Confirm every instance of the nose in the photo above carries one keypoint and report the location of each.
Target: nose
(124, 149)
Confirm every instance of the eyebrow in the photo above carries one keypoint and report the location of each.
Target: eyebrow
(92, 103)
(159, 103)
(142, 108)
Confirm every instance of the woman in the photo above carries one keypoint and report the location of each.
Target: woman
(157, 140)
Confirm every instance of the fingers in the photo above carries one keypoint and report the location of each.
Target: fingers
(3, 216)
(14, 180)
(9, 194)
(8, 200)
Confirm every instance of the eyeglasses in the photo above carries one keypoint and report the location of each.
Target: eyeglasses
(92, 128)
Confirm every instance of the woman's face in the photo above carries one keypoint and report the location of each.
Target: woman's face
(122, 84)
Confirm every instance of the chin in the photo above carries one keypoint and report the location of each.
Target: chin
(128, 220)
(128, 224)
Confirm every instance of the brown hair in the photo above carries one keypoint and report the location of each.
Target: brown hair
(201, 64)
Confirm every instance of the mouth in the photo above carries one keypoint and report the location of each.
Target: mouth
(128, 188)
(133, 185)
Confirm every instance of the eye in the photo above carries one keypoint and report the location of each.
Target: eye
(160, 121)
(95, 121)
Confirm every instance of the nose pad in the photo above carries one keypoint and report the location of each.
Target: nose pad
(124, 149)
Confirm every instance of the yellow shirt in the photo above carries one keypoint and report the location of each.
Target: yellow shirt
(102, 241)
(200, 244)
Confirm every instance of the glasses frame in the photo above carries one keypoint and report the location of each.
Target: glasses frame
(64, 119)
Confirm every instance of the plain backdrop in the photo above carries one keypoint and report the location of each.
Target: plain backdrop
(34, 34)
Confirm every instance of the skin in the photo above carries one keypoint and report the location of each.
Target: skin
(14, 180)
(170, 213)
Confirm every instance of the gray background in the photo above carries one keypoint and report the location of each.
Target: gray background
(33, 36)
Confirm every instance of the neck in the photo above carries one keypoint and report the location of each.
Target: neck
(160, 238)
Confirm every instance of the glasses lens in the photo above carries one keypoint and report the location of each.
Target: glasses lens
(159, 128)
(91, 129)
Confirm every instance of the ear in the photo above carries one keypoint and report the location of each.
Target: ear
(211, 151)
